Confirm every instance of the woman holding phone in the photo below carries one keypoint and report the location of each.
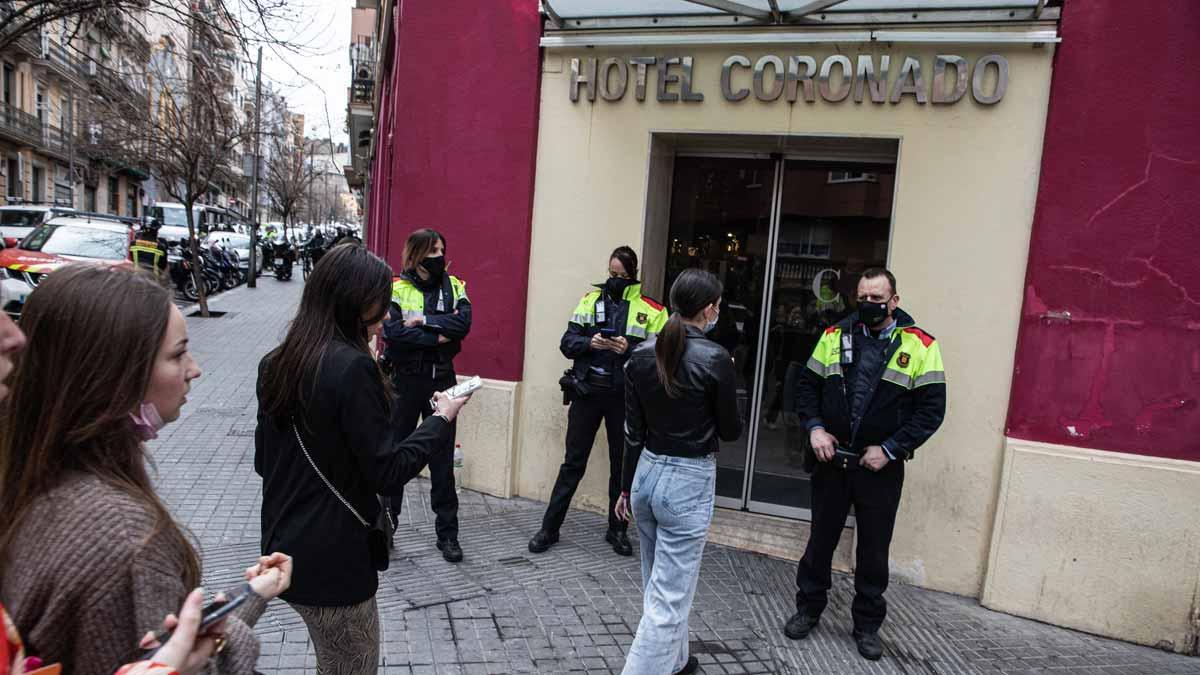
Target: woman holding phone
(680, 402)
(90, 558)
(325, 447)
(606, 325)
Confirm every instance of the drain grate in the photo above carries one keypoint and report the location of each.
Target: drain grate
(518, 561)
(241, 433)
(212, 314)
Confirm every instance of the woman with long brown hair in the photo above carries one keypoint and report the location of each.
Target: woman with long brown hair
(90, 558)
(325, 447)
(680, 402)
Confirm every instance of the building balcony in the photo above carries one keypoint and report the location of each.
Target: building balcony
(57, 143)
(59, 60)
(19, 126)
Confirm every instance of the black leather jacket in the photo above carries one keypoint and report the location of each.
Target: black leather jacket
(692, 425)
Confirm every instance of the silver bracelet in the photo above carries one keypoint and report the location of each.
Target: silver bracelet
(442, 415)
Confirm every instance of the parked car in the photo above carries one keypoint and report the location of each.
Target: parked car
(60, 241)
(16, 222)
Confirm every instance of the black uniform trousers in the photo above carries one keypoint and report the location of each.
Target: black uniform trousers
(411, 404)
(604, 403)
(875, 497)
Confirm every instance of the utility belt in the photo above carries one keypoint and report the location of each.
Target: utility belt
(575, 387)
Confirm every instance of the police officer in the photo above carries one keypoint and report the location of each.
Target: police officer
(874, 391)
(606, 325)
(429, 318)
(147, 252)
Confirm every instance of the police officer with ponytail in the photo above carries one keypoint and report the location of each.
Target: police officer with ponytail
(605, 327)
(430, 316)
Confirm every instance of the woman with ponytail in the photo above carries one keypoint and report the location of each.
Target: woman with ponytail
(680, 402)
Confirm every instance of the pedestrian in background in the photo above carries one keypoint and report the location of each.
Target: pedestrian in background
(325, 446)
(680, 402)
(90, 558)
(430, 316)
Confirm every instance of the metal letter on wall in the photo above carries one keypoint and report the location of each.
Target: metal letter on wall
(665, 78)
(588, 78)
(727, 77)
(760, 69)
(910, 81)
(940, 95)
(608, 92)
(685, 84)
(1001, 79)
(794, 78)
(639, 81)
(847, 77)
(866, 77)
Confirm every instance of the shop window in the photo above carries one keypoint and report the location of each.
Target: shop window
(853, 177)
(130, 204)
(114, 196)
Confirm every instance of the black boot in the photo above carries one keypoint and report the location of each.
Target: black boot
(620, 542)
(800, 625)
(689, 667)
(450, 550)
(542, 541)
(869, 644)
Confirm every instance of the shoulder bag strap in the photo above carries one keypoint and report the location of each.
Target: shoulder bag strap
(329, 485)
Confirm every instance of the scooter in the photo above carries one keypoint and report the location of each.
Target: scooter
(284, 255)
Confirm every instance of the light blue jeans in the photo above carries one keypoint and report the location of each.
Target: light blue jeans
(672, 501)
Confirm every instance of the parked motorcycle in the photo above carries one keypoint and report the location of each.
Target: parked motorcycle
(179, 262)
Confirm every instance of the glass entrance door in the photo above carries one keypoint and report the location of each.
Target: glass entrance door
(788, 238)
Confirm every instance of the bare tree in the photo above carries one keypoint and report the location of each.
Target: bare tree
(289, 177)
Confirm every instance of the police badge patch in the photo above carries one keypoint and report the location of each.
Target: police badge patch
(642, 318)
(903, 360)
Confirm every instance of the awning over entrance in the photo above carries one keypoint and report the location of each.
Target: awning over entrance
(570, 23)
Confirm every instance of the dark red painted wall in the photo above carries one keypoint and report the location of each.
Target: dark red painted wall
(456, 146)
(1116, 238)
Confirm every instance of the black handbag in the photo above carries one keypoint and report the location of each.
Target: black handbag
(379, 534)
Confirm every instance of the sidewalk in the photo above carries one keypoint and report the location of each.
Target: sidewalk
(575, 608)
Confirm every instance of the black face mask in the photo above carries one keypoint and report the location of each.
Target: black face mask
(435, 266)
(872, 313)
(615, 287)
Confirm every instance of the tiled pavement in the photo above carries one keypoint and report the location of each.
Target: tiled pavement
(575, 608)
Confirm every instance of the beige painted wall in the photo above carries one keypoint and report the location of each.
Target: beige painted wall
(1100, 541)
(967, 179)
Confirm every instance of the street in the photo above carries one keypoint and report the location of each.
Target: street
(575, 608)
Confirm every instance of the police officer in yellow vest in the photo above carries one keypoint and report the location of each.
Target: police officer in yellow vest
(874, 391)
(429, 318)
(147, 252)
(605, 327)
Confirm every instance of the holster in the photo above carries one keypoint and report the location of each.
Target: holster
(572, 387)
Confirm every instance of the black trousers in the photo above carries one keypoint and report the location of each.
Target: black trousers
(603, 404)
(875, 497)
(411, 405)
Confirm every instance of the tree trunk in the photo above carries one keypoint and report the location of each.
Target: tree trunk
(197, 271)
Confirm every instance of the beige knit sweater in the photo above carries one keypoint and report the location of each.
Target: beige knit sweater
(84, 583)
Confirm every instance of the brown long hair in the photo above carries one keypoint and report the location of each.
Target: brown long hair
(349, 282)
(94, 334)
(694, 290)
(419, 245)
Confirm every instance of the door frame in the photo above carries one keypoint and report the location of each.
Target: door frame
(780, 159)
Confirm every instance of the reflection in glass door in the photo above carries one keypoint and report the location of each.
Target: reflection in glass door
(833, 222)
(788, 239)
(721, 222)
